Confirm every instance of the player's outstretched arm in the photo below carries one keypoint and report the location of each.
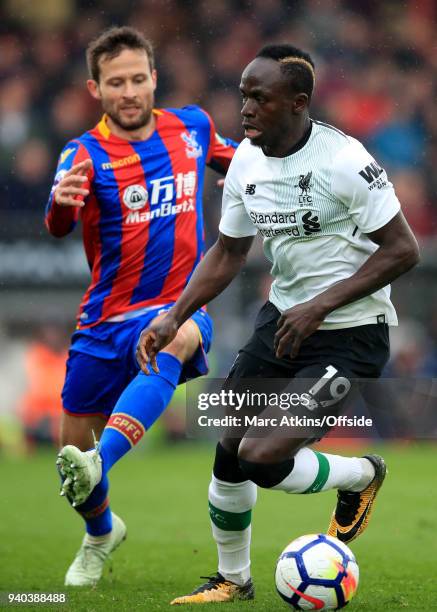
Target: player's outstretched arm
(220, 265)
(397, 253)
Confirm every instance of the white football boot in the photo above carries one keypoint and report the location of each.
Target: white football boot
(87, 567)
(81, 471)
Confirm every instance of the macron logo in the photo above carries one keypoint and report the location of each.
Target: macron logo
(120, 163)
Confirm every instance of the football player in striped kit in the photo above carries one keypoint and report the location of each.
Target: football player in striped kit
(136, 182)
(333, 230)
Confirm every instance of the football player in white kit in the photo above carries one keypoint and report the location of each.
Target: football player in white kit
(334, 232)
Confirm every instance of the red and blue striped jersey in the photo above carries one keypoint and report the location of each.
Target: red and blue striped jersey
(142, 221)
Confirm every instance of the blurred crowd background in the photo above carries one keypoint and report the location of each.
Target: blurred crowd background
(376, 68)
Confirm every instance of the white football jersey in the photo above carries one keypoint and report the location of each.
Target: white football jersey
(313, 209)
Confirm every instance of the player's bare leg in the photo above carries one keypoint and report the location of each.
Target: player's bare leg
(77, 430)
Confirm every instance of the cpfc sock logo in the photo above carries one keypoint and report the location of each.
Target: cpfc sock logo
(128, 426)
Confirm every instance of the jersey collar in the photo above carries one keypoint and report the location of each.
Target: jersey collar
(103, 129)
(299, 145)
(302, 142)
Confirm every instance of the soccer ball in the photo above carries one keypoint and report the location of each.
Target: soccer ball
(317, 572)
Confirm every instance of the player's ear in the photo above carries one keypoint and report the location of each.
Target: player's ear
(94, 89)
(154, 79)
(300, 103)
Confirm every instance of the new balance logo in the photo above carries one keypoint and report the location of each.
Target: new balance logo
(250, 189)
(311, 224)
(371, 172)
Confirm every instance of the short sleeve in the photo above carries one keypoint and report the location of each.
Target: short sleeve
(363, 186)
(235, 221)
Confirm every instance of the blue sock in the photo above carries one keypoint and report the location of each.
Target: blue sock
(95, 510)
(138, 407)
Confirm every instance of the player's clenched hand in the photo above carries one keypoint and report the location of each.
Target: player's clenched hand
(296, 324)
(152, 340)
(69, 191)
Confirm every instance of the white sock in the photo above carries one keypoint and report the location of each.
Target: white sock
(367, 475)
(230, 507)
(313, 472)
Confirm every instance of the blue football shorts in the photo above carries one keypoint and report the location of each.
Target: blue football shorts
(101, 362)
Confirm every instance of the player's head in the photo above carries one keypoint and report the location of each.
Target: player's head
(276, 88)
(123, 76)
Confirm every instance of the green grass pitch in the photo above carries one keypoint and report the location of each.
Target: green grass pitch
(161, 494)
